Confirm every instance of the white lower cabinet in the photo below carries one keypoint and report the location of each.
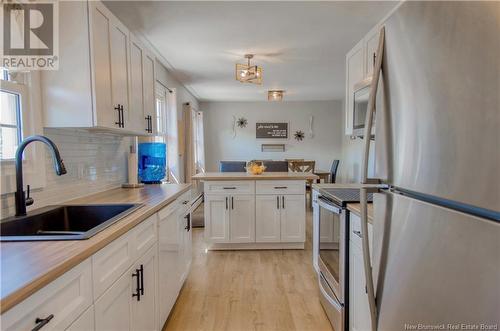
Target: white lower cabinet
(293, 214)
(216, 219)
(359, 310)
(129, 304)
(130, 284)
(55, 306)
(85, 322)
(169, 262)
(280, 218)
(174, 255)
(230, 218)
(267, 218)
(113, 308)
(144, 307)
(242, 218)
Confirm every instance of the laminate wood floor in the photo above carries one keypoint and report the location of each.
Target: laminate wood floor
(250, 290)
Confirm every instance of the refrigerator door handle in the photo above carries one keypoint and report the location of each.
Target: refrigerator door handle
(365, 180)
(366, 255)
(371, 109)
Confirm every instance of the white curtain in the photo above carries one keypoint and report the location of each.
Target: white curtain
(199, 142)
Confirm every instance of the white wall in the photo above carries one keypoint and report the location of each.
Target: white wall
(324, 147)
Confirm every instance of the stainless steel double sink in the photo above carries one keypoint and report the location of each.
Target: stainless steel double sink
(64, 222)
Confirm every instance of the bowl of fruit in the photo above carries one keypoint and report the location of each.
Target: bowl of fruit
(255, 168)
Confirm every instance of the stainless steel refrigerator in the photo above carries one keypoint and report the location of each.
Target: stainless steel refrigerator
(436, 236)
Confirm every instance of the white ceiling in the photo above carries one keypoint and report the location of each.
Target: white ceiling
(301, 46)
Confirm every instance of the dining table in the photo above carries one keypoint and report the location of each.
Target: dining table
(323, 175)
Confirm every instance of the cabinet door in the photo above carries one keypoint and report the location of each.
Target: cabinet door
(242, 220)
(293, 218)
(168, 263)
(85, 322)
(119, 46)
(148, 79)
(371, 45)
(359, 311)
(354, 74)
(100, 26)
(144, 310)
(267, 218)
(136, 110)
(113, 308)
(182, 224)
(217, 218)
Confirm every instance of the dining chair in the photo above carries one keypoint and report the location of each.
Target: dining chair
(302, 166)
(290, 162)
(333, 170)
(276, 166)
(305, 166)
(232, 166)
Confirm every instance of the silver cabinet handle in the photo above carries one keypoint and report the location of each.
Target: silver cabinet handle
(358, 233)
(277, 202)
(229, 188)
(281, 187)
(283, 201)
(226, 203)
(232, 202)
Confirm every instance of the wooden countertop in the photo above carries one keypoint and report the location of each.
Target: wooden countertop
(28, 266)
(356, 209)
(263, 176)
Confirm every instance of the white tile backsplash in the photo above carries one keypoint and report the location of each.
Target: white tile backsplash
(94, 162)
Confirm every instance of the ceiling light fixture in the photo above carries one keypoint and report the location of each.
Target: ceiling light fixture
(275, 95)
(247, 73)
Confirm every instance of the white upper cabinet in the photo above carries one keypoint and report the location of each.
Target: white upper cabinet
(142, 82)
(371, 44)
(149, 80)
(354, 74)
(136, 85)
(105, 78)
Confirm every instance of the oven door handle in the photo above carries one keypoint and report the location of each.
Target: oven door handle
(325, 204)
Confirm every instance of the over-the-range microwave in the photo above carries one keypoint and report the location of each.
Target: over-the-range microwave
(360, 108)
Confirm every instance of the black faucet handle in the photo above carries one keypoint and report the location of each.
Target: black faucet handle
(29, 200)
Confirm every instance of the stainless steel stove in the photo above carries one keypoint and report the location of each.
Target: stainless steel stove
(332, 251)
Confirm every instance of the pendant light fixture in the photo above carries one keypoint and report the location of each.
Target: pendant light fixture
(275, 95)
(247, 73)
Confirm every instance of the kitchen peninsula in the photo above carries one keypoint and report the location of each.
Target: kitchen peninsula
(245, 211)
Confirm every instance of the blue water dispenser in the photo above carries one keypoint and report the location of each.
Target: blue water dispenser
(152, 160)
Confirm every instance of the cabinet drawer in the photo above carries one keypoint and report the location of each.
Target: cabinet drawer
(184, 202)
(230, 187)
(144, 235)
(281, 187)
(355, 235)
(65, 298)
(111, 262)
(166, 211)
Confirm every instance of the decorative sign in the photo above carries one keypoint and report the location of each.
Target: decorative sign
(272, 130)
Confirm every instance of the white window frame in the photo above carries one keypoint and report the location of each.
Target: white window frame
(31, 116)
